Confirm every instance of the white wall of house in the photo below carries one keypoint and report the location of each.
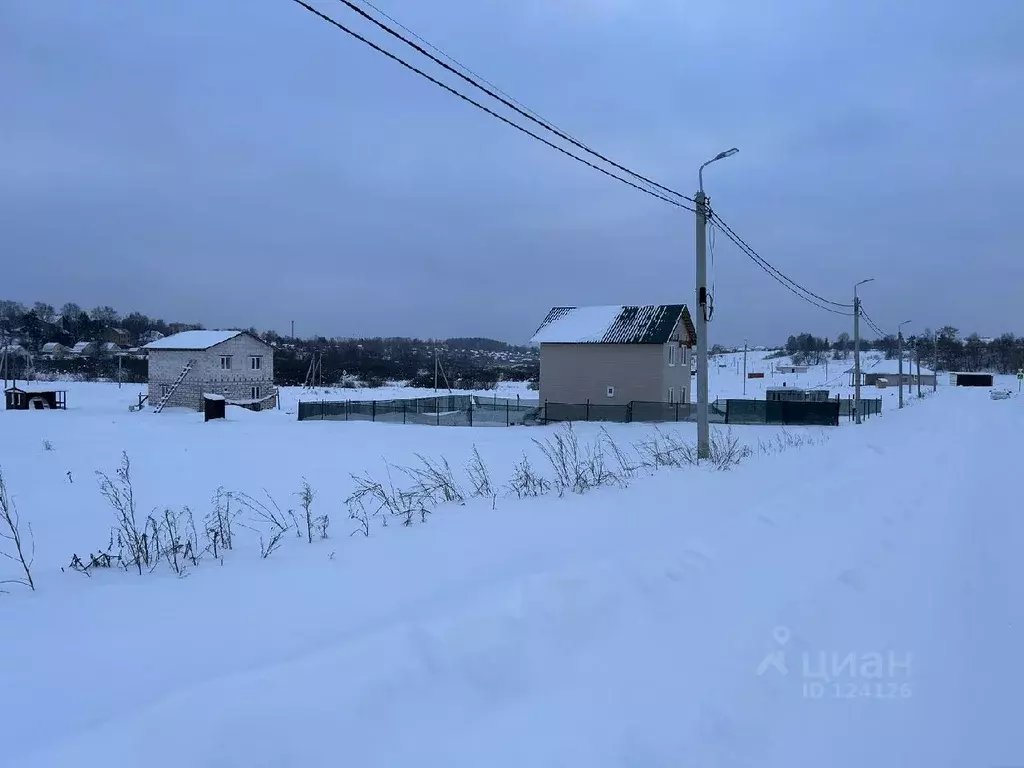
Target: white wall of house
(241, 368)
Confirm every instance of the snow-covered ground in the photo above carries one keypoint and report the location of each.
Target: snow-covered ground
(682, 620)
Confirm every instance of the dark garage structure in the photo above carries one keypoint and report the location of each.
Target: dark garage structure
(972, 379)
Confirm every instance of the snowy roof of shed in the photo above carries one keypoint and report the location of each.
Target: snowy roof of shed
(192, 340)
(615, 324)
(892, 367)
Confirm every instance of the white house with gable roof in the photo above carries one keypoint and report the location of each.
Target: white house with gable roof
(234, 364)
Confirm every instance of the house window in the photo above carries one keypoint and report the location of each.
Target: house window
(610, 392)
(672, 354)
(255, 362)
(255, 393)
(164, 388)
(225, 362)
(671, 394)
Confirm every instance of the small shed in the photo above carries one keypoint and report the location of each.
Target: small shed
(18, 399)
(971, 379)
(791, 369)
(214, 406)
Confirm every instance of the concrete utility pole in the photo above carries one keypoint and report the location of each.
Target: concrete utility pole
(744, 367)
(856, 350)
(899, 346)
(916, 353)
(935, 380)
(703, 436)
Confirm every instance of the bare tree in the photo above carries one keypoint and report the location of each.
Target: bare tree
(11, 532)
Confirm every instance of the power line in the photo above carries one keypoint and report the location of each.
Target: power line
(871, 323)
(489, 111)
(742, 244)
(776, 275)
(455, 61)
(495, 93)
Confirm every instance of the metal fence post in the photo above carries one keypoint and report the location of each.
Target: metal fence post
(471, 411)
(506, 410)
(404, 407)
(323, 407)
(588, 409)
(373, 410)
(437, 410)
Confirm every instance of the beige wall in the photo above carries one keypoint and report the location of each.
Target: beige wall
(576, 373)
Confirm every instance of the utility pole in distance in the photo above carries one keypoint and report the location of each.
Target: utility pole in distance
(703, 436)
(899, 346)
(856, 350)
(744, 367)
(916, 353)
(935, 380)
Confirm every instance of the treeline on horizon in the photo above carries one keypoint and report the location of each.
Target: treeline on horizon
(463, 362)
(942, 350)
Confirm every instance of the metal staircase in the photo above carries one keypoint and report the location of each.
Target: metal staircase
(174, 387)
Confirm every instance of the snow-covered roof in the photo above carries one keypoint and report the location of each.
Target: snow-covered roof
(192, 340)
(81, 346)
(614, 324)
(892, 367)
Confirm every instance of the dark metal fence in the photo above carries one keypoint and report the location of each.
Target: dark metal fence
(867, 407)
(470, 410)
(443, 410)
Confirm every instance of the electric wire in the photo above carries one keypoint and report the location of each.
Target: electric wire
(811, 298)
(495, 93)
(871, 323)
(745, 247)
(478, 105)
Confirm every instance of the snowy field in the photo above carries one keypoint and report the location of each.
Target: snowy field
(681, 620)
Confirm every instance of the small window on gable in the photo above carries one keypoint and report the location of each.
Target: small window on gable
(255, 393)
(225, 362)
(671, 394)
(255, 362)
(610, 392)
(672, 352)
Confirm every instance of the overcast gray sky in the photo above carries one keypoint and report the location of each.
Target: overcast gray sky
(240, 162)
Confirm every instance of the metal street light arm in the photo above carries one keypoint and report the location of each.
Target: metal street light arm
(719, 156)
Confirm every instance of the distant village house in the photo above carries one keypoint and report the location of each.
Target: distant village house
(613, 355)
(234, 364)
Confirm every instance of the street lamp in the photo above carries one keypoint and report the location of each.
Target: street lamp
(856, 349)
(716, 158)
(703, 438)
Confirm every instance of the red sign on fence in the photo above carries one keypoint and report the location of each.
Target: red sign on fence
(755, 375)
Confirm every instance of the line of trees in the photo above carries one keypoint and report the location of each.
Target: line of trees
(941, 350)
(465, 362)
